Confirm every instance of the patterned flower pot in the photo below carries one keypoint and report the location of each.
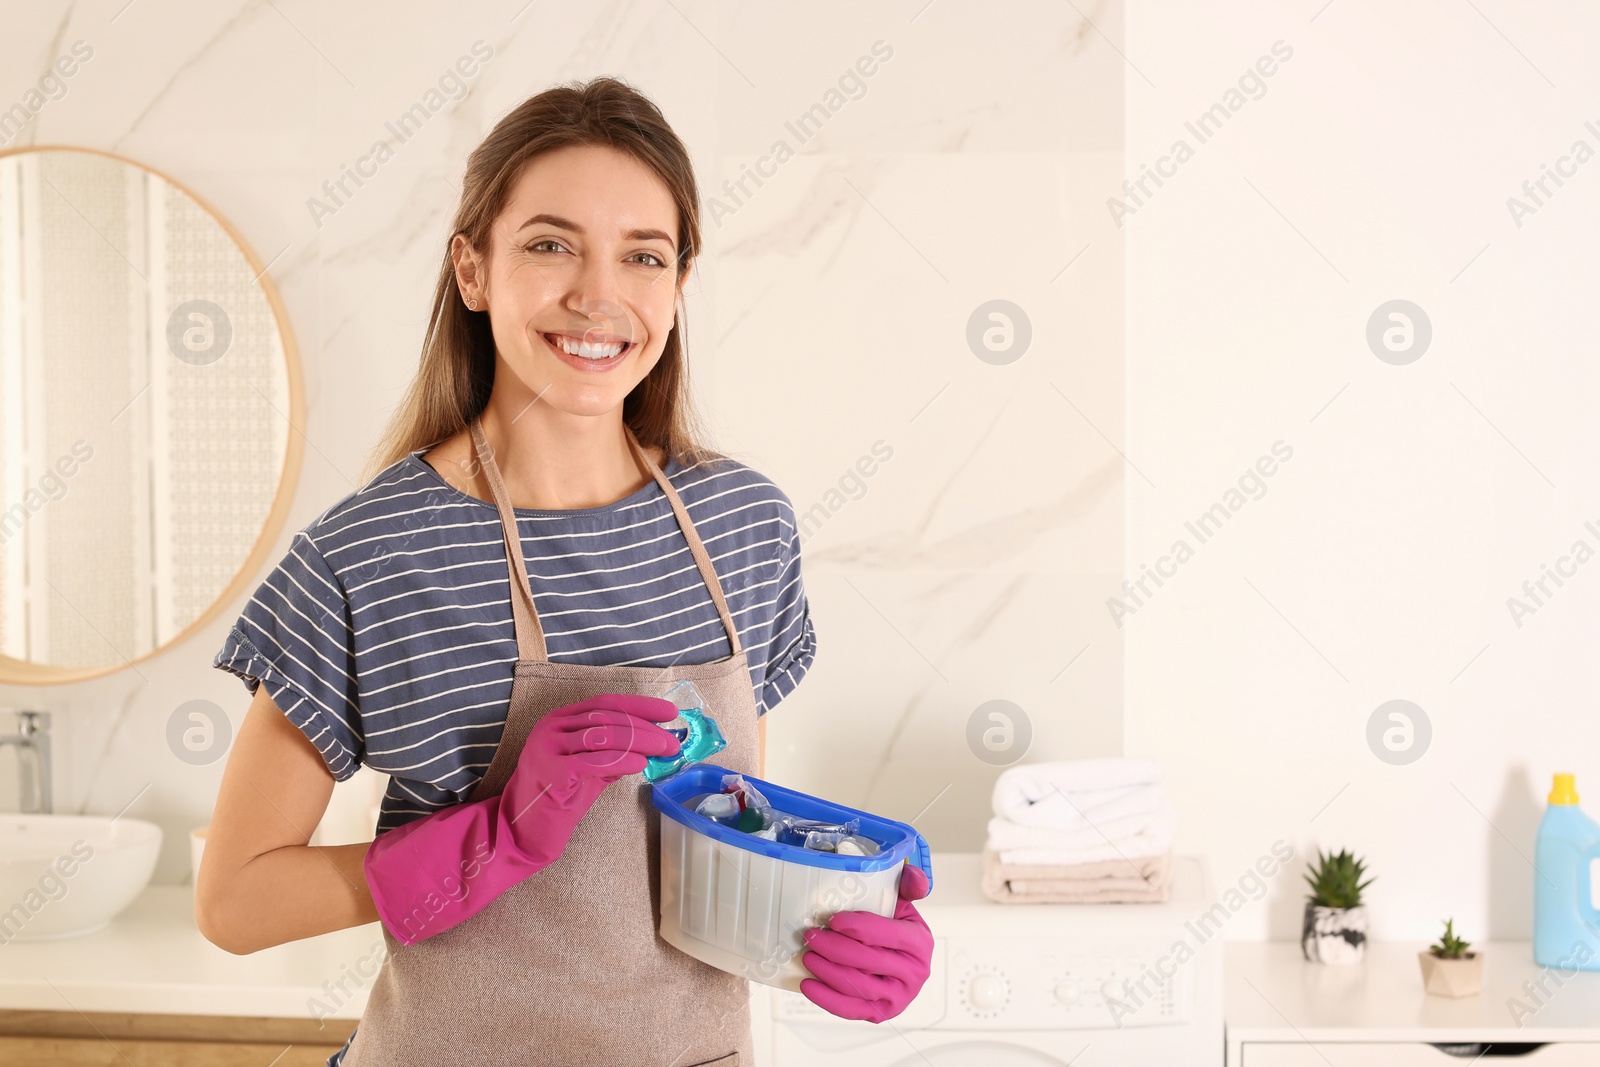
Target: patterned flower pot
(1445, 977)
(1334, 935)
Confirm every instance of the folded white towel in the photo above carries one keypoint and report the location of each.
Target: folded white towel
(1134, 849)
(1066, 811)
(1003, 833)
(1063, 793)
(1132, 836)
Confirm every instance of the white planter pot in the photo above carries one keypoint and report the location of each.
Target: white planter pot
(1459, 977)
(1334, 935)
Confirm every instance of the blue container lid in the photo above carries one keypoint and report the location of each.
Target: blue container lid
(896, 840)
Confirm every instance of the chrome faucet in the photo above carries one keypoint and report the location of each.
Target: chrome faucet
(33, 760)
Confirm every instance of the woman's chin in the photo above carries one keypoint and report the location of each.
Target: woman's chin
(558, 386)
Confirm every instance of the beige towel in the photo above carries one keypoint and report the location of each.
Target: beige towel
(1146, 880)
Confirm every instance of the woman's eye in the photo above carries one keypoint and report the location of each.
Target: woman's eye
(551, 244)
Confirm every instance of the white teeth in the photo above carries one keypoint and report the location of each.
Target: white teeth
(586, 350)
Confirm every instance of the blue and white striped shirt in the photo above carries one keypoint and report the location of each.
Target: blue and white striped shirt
(385, 634)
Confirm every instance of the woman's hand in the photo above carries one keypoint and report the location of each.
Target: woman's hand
(866, 966)
(437, 871)
(572, 753)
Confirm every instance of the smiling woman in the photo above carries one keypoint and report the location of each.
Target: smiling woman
(625, 275)
(540, 550)
(580, 297)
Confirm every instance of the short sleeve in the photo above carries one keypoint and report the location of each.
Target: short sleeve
(794, 642)
(295, 637)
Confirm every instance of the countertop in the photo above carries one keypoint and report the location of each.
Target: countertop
(1273, 994)
(153, 959)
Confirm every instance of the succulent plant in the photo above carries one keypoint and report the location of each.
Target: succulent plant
(1450, 947)
(1335, 880)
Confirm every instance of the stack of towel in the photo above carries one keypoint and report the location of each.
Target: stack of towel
(1080, 832)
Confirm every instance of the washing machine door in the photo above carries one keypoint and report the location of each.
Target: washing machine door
(988, 1053)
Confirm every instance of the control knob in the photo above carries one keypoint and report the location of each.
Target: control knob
(986, 992)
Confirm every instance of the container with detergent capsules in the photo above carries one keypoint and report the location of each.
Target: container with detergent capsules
(699, 737)
(740, 902)
(1566, 904)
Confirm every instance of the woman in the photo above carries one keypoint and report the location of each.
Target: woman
(515, 865)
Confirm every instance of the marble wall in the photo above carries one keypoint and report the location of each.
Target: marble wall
(839, 311)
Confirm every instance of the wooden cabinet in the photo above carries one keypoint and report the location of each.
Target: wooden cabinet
(114, 1039)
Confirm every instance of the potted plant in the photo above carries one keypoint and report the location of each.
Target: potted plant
(1448, 969)
(1335, 925)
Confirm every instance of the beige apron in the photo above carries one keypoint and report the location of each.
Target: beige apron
(566, 967)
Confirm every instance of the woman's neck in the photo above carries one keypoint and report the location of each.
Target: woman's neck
(548, 460)
(553, 460)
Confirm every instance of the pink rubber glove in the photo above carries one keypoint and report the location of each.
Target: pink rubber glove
(866, 966)
(441, 869)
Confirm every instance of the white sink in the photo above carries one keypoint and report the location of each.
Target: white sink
(67, 875)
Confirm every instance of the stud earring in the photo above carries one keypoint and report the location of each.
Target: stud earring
(472, 304)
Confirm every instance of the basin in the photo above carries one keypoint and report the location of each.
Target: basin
(68, 875)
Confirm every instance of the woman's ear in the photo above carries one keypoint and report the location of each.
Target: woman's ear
(468, 272)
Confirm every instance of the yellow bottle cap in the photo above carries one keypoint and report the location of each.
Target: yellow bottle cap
(1564, 791)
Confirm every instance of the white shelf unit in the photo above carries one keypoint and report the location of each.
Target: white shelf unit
(1284, 1012)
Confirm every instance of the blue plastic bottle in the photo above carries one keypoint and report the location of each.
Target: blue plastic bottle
(1566, 925)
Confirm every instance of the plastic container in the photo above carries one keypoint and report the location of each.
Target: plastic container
(740, 902)
(1565, 917)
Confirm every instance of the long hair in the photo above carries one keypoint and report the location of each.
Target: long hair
(456, 372)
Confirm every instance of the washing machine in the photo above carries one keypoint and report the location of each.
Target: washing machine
(1033, 985)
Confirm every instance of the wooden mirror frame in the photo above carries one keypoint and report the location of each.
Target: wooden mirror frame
(22, 672)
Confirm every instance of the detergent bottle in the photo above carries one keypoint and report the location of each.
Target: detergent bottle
(1566, 922)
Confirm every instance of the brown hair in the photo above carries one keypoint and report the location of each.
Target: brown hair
(456, 371)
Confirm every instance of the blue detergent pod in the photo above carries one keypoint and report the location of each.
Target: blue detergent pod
(699, 737)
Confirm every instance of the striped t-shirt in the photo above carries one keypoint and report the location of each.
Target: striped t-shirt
(385, 634)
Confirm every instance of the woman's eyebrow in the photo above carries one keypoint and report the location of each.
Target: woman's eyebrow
(565, 224)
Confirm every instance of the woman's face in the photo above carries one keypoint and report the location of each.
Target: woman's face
(582, 259)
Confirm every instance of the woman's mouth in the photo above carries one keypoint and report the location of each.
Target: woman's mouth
(588, 355)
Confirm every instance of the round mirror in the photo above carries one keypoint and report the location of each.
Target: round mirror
(149, 388)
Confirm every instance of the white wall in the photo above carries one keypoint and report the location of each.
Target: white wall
(1419, 497)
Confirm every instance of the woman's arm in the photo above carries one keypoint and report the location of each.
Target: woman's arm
(259, 883)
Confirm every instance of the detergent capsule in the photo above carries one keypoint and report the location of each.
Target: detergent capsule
(814, 834)
(841, 842)
(701, 739)
(856, 845)
(823, 840)
(718, 806)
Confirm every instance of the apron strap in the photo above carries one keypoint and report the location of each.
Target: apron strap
(697, 548)
(524, 615)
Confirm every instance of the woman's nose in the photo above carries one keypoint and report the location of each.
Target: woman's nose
(597, 283)
(605, 316)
